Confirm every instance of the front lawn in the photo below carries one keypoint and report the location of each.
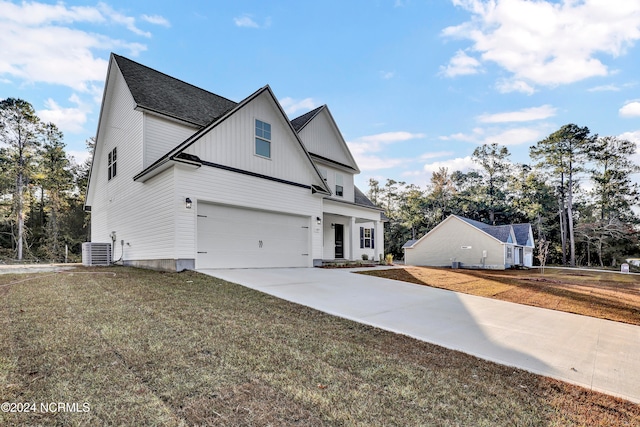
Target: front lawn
(610, 296)
(147, 348)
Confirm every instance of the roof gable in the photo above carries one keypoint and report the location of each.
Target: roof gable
(300, 122)
(323, 139)
(524, 235)
(179, 154)
(168, 96)
(501, 233)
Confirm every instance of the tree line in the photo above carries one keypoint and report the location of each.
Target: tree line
(577, 192)
(42, 188)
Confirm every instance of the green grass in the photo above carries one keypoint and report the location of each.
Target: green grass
(149, 348)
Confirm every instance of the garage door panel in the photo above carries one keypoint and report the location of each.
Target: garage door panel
(235, 237)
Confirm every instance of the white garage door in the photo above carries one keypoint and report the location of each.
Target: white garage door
(234, 237)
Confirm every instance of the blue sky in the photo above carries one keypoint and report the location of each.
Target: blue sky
(413, 85)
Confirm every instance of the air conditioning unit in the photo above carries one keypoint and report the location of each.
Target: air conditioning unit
(96, 254)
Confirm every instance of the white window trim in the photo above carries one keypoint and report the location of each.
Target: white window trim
(339, 183)
(255, 137)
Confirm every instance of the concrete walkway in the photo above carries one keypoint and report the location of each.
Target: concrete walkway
(597, 354)
(35, 268)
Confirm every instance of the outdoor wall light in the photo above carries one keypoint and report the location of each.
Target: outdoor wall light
(318, 220)
(333, 226)
(187, 202)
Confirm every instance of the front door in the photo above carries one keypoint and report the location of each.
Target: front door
(339, 241)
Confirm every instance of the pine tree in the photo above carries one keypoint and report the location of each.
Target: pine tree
(20, 131)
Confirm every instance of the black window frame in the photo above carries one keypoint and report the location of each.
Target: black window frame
(112, 162)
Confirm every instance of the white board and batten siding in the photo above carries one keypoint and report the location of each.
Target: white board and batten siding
(322, 137)
(348, 192)
(232, 143)
(162, 135)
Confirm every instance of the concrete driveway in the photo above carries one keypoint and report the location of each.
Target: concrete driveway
(597, 354)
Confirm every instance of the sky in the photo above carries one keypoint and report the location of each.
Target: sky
(413, 85)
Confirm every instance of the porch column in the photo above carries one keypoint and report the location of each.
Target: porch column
(378, 230)
(352, 230)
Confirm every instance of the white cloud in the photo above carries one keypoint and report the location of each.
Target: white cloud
(66, 119)
(524, 115)
(605, 88)
(435, 155)
(502, 136)
(371, 163)
(40, 45)
(633, 136)
(388, 138)
(386, 75)
(548, 43)
(79, 156)
(460, 65)
(463, 164)
(631, 109)
(246, 21)
(291, 106)
(507, 86)
(128, 21)
(156, 20)
(364, 148)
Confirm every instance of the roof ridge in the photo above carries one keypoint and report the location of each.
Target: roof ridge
(171, 77)
(301, 121)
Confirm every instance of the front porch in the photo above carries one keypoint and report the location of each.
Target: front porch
(351, 239)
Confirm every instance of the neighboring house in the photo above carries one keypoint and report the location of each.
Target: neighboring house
(472, 244)
(186, 179)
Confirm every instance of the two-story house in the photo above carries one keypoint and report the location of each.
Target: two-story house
(183, 178)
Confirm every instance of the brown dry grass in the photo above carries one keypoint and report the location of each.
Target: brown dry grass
(147, 348)
(604, 295)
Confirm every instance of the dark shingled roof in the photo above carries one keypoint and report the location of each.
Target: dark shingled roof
(361, 199)
(409, 244)
(299, 122)
(158, 92)
(522, 233)
(502, 232)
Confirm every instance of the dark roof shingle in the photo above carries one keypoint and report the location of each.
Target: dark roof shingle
(158, 92)
(522, 233)
(361, 199)
(502, 232)
(300, 122)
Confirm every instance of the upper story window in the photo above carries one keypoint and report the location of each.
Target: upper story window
(263, 139)
(111, 163)
(323, 173)
(339, 185)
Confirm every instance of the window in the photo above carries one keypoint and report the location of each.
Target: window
(323, 173)
(366, 238)
(509, 252)
(339, 185)
(111, 163)
(263, 139)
